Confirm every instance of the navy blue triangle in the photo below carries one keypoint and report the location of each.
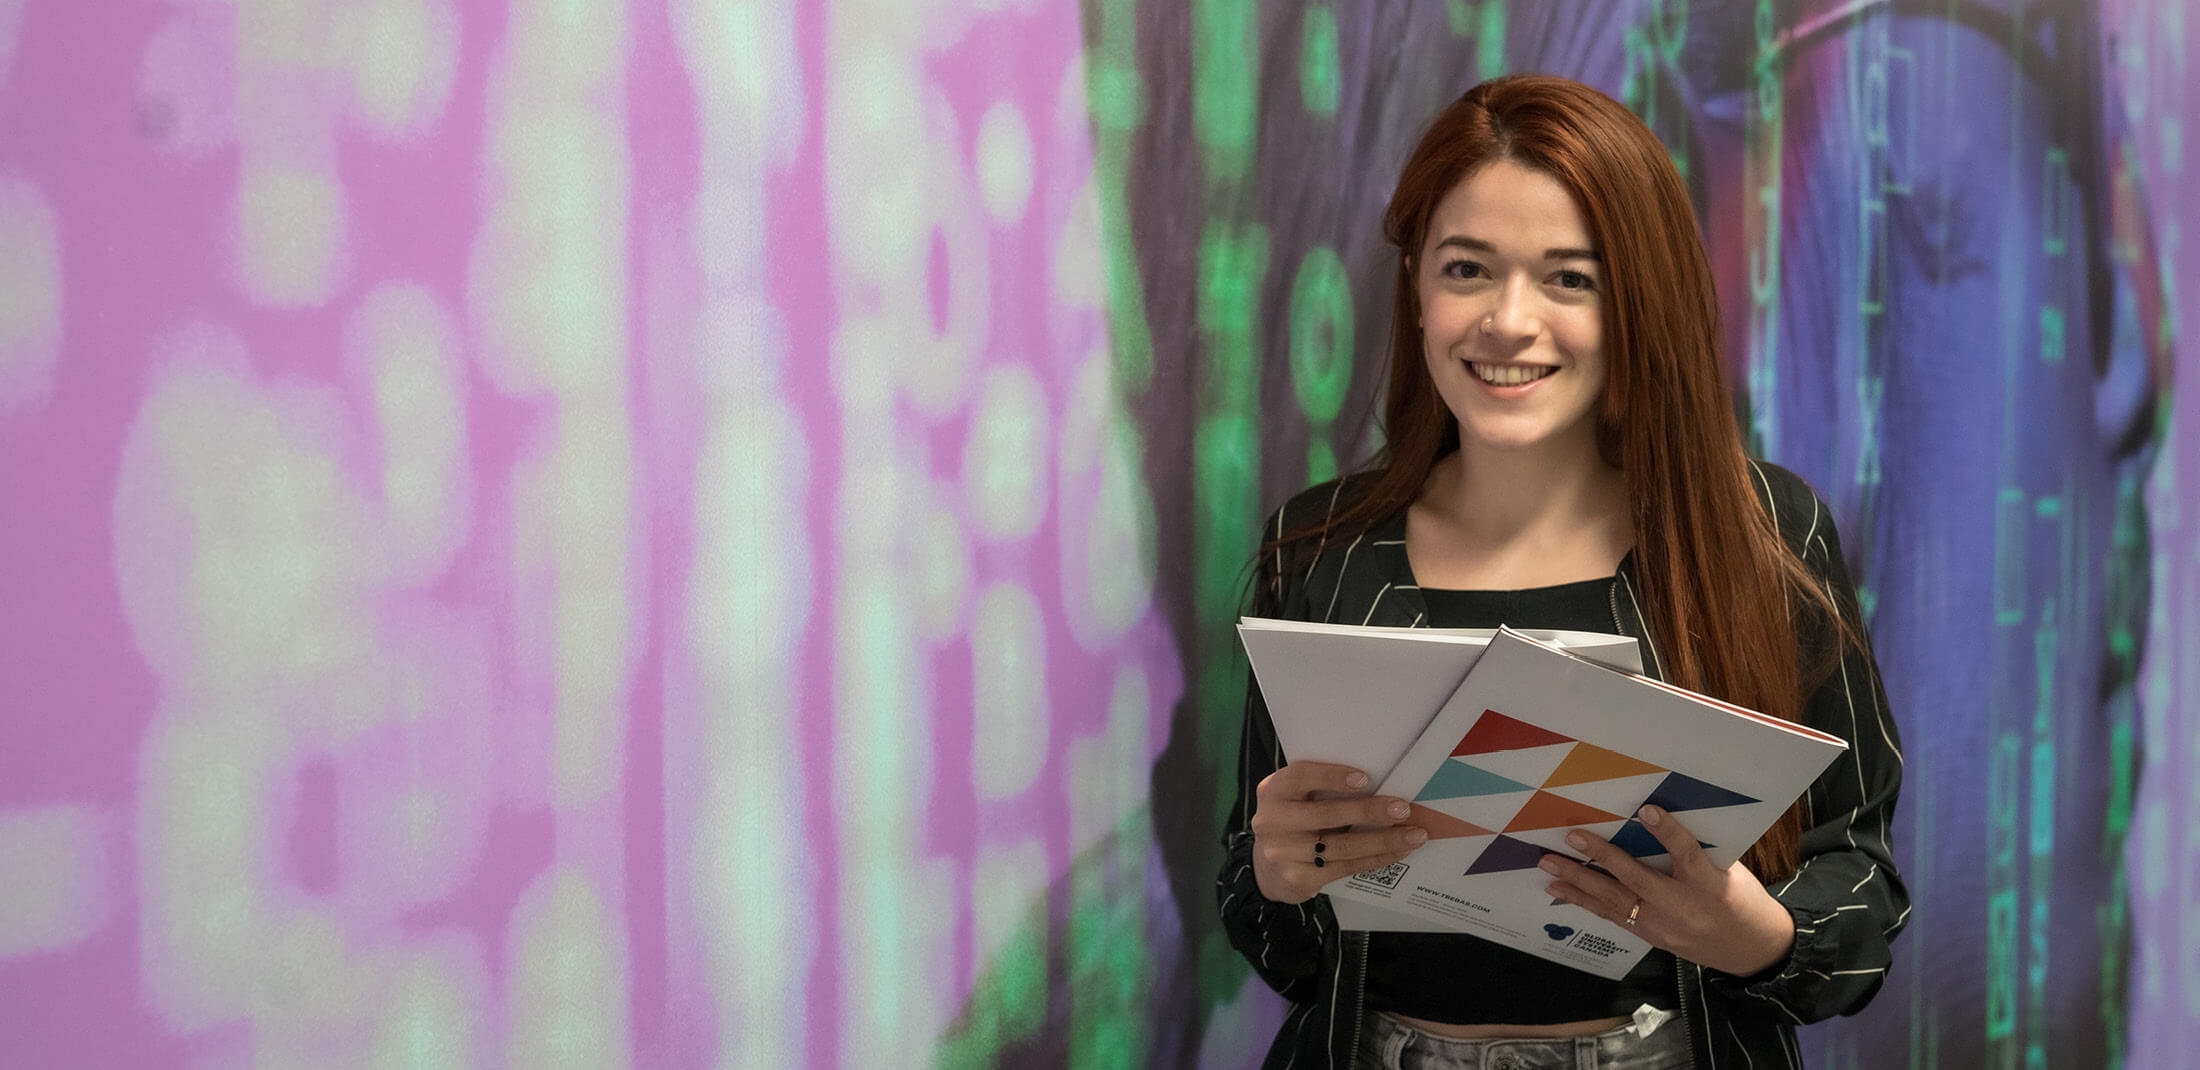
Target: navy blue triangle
(1681, 792)
(1639, 842)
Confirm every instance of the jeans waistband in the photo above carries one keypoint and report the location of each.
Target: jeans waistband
(1655, 1040)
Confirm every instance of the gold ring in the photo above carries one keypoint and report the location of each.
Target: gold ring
(1634, 913)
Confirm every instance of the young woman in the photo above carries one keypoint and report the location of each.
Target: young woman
(1561, 453)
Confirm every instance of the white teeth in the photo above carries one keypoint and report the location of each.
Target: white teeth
(1509, 374)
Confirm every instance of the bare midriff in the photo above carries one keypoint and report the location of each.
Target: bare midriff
(1515, 1032)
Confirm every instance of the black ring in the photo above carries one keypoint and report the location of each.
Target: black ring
(1319, 846)
(1319, 861)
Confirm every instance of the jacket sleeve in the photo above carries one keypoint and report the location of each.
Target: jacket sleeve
(1847, 900)
(1283, 941)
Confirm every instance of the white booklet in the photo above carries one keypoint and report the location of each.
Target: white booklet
(1359, 696)
(1536, 742)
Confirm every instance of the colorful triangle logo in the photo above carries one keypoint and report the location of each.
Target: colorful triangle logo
(1457, 780)
(1505, 853)
(1640, 842)
(1529, 766)
(1620, 795)
(1492, 812)
(1546, 811)
(1682, 792)
(1589, 762)
(1443, 826)
(1493, 731)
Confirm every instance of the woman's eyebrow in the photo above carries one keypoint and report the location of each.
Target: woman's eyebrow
(1477, 245)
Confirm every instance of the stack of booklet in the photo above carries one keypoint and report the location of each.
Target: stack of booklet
(1507, 740)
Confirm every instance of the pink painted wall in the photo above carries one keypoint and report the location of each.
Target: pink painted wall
(557, 534)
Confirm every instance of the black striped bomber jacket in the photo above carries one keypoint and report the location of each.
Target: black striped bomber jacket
(1847, 900)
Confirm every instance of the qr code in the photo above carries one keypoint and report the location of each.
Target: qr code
(1386, 877)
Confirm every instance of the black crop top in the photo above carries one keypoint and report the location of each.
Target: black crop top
(1466, 980)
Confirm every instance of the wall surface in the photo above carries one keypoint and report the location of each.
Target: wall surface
(702, 532)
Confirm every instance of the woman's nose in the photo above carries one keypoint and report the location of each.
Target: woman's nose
(1513, 316)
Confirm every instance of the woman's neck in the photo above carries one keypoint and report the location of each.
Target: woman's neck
(1499, 496)
(1498, 520)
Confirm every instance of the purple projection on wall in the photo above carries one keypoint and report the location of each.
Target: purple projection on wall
(550, 534)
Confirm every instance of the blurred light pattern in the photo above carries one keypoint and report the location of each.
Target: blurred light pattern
(701, 532)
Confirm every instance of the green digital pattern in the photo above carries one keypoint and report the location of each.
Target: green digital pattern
(1321, 352)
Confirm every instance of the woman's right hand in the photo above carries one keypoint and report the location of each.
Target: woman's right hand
(1305, 803)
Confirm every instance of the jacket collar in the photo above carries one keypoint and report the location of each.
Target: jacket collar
(1401, 606)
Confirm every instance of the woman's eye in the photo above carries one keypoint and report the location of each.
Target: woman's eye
(1463, 269)
(1575, 280)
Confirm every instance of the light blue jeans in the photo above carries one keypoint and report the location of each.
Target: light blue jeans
(1644, 1044)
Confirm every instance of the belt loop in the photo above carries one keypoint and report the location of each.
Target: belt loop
(1395, 1039)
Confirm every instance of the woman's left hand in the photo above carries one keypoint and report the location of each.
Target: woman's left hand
(1717, 917)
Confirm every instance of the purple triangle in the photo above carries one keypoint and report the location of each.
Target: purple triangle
(1506, 853)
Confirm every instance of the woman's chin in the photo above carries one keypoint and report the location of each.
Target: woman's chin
(1526, 442)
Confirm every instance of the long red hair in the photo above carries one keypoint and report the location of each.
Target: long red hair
(1717, 578)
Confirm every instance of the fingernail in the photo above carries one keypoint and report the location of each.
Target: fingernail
(1399, 810)
(1548, 865)
(1580, 842)
(1651, 815)
(1416, 837)
(1356, 780)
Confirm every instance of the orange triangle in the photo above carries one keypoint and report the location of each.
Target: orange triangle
(1586, 763)
(1547, 811)
(1443, 826)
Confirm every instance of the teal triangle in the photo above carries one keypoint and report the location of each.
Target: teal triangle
(1456, 779)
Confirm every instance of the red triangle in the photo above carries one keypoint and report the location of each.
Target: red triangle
(1443, 826)
(1494, 732)
(1548, 811)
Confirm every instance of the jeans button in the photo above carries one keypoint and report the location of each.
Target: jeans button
(1506, 1060)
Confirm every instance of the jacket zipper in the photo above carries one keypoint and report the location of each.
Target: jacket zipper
(1359, 994)
(1359, 1003)
(1680, 982)
(1680, 979)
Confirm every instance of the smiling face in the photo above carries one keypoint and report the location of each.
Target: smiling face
(1512, 320)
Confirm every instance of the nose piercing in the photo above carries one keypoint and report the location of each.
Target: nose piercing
(1487, 323)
